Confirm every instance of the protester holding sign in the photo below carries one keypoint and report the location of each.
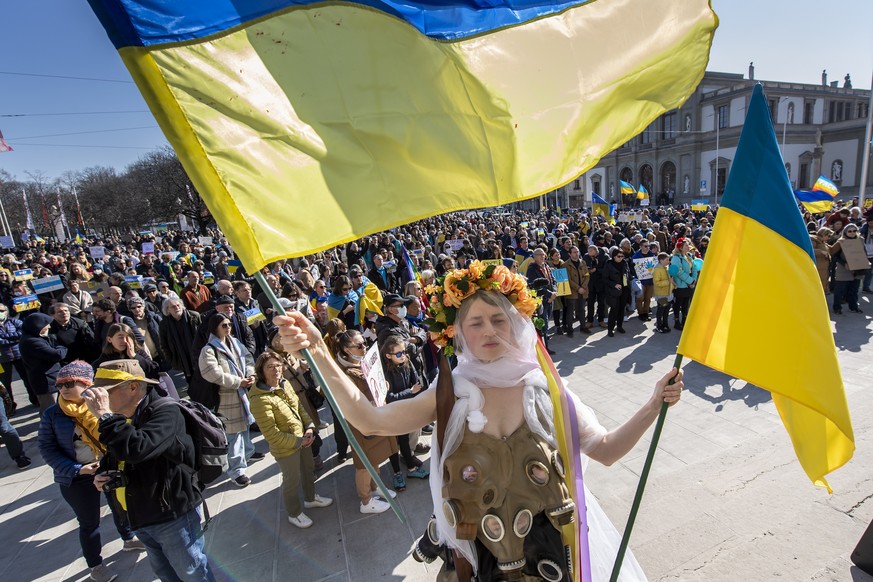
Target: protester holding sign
(350, 350)
(646, 258)
(848, 254)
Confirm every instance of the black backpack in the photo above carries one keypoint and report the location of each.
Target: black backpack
(210, 443)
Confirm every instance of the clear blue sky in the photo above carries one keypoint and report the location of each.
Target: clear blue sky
(789, 40)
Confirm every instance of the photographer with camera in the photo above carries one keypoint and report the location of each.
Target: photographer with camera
(70, 444)
(149, 468)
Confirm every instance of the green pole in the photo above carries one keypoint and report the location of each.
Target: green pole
(641, 487)
(339, 417)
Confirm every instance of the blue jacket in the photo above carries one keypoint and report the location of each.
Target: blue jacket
(682, 271)
(55, 440)
(10, 335)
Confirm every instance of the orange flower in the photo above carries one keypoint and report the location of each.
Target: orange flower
(449, 332)
(519, 283)
(477, 269)
(504, 279)
(438, 338)
(454, 296)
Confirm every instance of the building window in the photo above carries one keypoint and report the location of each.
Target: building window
(647, 136)
(595, 185)
(773, 104)
(576, 184)
(803, 179)
(722, 116)
(627, 175)
(863, 110)
(839, 111)
(668, 125)
(832, 111)
(808, 108)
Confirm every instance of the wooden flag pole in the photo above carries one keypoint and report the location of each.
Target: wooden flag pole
(641, 487)
(259, 277)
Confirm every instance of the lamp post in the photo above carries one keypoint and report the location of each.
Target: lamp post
(865, 160)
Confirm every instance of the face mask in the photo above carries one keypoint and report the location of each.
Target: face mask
(356, 358)
(401, 311)
(3, 316)
(371, 317)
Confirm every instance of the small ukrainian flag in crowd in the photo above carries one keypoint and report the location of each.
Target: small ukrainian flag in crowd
(642, 193)
(626, 188)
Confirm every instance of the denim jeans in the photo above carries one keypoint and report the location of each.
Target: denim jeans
(239, 448)
(175, 549)
(9, 435)
(84, 498)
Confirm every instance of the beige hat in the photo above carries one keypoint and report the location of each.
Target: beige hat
(111, 374)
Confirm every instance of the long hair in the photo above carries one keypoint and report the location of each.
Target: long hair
(117, 328)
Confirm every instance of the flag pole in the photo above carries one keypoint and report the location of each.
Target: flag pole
(641, 487)
(262, 281)
(865, 155)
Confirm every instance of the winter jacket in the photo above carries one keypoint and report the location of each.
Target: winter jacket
(239, 329)
(41, 355)
(177, 337)
(662, 282)
(55, 440)
(77, 337)
(215, 367)
(577, 277)
(682, 271)
(10, 336)
(281, 417)
(401, 379)
(158, 457)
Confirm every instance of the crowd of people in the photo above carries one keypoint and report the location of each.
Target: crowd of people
(173, 313)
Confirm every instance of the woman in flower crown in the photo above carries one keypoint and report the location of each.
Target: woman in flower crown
(502, 495)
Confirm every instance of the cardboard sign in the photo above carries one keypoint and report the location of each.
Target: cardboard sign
(48, 284)
(23, 275)
(562, 282)
(7, 242)
(390, 266)
(134, 281)
(26, 303)
(417, 252)
(371, 366)
(853, 250)
(630, 216)
(148, 248)
(97, 252)
(455, 244)
(208, 278)
(254, 315)
(644, 267)
(205, 241)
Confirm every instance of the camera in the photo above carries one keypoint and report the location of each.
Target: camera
(116, 479)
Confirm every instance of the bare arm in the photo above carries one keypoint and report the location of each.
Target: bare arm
(298, 333)
(618, 442)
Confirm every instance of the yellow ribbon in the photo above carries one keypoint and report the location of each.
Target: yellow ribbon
(108, 374)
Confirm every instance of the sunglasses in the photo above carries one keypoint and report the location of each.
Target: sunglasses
(63, 385)
(225, 325)
(398, 354)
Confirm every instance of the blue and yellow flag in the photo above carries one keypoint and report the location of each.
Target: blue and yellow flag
(780, 340)
(371, 115)
(626, 188)
(815, 201)
(233, 266)
(599, 207)
(642, 193)
(826, 186)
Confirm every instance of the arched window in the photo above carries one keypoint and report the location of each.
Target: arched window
(647, 176)
(627, 175)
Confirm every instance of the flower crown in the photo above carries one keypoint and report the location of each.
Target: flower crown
(450, 290)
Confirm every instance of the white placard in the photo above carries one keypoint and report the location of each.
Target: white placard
(205, 241)
(148, 248)
(644, 267)
(97, 252)
(371, 366)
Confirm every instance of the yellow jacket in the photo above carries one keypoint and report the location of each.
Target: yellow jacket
(662, 281)
(281, 418)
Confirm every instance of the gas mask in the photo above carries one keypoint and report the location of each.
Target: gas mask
(495, 487)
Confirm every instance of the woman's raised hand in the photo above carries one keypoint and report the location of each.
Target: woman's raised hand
(297, 333)
(666, 392)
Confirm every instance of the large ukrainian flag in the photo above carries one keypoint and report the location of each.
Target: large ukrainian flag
(759, 312)
(306, 124)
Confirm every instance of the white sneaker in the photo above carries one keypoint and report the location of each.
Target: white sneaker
(101, 573)
(302, 521)
(376, 505)
(378, 493)
(319, 501)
